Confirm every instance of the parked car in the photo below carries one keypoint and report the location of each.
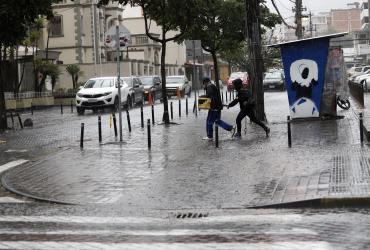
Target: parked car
(355, 71)
(152, 84)
(362, 77)
(274, 80)
(181, 82)
(235, 75)
(136, 91)
(100, 92)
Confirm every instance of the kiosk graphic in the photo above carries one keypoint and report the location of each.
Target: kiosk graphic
(304, 65)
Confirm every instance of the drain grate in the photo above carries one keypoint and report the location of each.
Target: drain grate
(191, 215)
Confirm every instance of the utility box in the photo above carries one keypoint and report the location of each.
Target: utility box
(305, 63)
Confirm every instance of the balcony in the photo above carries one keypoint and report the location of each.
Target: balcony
(140, 40)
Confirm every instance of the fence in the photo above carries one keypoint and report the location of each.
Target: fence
(357, 92)
(26, 95)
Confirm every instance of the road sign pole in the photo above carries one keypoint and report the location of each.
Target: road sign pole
(119, 85)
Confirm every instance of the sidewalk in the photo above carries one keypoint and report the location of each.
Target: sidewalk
(182, 171)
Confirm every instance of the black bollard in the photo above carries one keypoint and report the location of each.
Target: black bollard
(216, 135)
(195, 105)
(71, 106)
(82, 135)
(361, 128)
(12, 118)
(230, 95)
(61, 108)
(128, 121)
(186, 106)
(115, 124)
(171, 111)
(153, 114)
(226, 96)
(179, 107)
(289, 132)
(142, 116)
(20, 121)
(99, 128)
(149, 135)
(222, 96)
(31, 108)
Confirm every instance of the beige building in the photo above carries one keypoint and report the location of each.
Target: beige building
(345, 20)
(78, 33)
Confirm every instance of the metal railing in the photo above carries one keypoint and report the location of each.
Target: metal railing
(26, 95)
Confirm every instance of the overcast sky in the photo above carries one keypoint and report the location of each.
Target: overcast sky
(285, 6)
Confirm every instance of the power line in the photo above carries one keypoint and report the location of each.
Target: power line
(282, 19)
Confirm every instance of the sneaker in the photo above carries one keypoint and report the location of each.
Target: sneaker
(207, 138)
(232, 131)
(267, 130)
(237, 136)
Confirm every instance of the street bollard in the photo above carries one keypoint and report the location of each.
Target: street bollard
(12, 118)
(230, 96)
(128, 121)
(142, 116)
(226, 96)
(361, 128)
(31, 108)
(82, 135)
(61, 109)
(216, 135)
(149, 135)
(20, 121)
(186, 106)
(153, 114)
(179, 107)
(99, 128)
(195, 105)
(289, 132)
(71, 107)
(171, 111)
(222, 96)
(115, 125)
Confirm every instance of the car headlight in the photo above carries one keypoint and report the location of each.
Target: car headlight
(80, 95)
(107, 93)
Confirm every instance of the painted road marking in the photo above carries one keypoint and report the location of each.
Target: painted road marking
(16, 151)
(12, 164)
(11, 200)
(279, 218)
(302, 245)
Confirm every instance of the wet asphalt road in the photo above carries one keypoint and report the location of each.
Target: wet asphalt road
(29, 224)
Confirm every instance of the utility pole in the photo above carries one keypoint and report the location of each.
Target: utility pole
(253, 27)
(311, 26)
(298, 19)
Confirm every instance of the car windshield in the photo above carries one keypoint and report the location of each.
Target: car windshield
(236, 75)
(273, 75)
(128, 80)
(174, 80)
(147, 80)
(99, 83)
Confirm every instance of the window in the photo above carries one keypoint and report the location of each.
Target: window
(56, 27)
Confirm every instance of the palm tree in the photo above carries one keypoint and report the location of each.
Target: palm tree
(75, 71)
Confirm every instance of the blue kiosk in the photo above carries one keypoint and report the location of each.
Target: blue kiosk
(306, 69)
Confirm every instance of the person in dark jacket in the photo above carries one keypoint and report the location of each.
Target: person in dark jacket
(244, 98)
(214, 114)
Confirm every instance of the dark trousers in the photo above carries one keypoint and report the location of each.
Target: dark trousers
(250, 113)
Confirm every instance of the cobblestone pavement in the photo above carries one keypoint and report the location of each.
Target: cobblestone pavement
(182, 171)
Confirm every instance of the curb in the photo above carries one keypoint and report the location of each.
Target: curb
(326, 202)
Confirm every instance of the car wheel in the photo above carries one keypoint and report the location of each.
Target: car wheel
(142, 100)
(189, 92)
(129, 102)
(80, 111)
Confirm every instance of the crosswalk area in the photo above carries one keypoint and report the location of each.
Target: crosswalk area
(133, 233)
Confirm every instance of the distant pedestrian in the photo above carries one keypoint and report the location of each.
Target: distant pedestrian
(214, 113)
(247, 105)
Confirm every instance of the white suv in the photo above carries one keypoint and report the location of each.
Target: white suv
(100, 92)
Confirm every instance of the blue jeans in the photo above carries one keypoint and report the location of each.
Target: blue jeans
(214, 116)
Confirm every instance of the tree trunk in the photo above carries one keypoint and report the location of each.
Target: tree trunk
(166, 118)
(3, 123)
(215, 66)
(254, 44)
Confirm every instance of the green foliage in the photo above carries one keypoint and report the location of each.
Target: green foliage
(47, 68)
(75, 72)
